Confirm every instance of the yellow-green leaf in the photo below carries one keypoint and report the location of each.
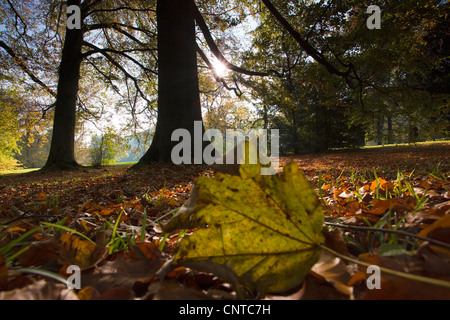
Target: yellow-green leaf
(266, 227)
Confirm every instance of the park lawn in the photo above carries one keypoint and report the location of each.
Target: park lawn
(27, 170)
(18, 171)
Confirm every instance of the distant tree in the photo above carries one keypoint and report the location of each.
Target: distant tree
(34, 149)
(385, 84)
(108, 47)
(178, 91)
(62, 151)
(36, 132)
(9, 133)
(179, 104)
(106, 147)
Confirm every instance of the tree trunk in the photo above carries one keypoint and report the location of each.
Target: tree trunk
(390, 130)
(62, 148)
(413, 133)
(265, 117)
(178, 93)
(380, 123)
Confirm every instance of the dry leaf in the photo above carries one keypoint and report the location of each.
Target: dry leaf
(40, 290)
(335, 271)
(268, 228)
(439, 230)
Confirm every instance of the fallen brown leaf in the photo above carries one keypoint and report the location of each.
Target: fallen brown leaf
(40, 290)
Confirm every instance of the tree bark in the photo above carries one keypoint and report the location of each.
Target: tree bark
(265, 117)
(390, 136)
(178, 92)
(380, 124)
(62, 148)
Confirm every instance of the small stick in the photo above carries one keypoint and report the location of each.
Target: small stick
(30, 216)
(404, 275)
(400, 232)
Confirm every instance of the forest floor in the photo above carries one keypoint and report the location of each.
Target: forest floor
(107, 221)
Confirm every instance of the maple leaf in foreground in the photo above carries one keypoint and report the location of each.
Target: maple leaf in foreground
(265, 227)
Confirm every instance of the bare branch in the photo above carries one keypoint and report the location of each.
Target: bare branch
(121, 53)
(18, 17)
(107, 77)
(47, 109)
(218, 79)
(86, 5)
(215, 50)
(120, 9)
(115, 26)
(318, 20)
(24, 67)
(82, 105)
(118, 66)
(309, 49)
(128, 35)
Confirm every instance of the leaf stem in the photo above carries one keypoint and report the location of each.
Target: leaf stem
(400, 274)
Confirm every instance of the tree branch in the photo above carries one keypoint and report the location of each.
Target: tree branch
(218, 79)
(318, 20)
(118, 52)
(215, 50)
(46, 109)
(107, 77)
(120, 9)
(128, 35)
(91, 52)
(18, 17)
(309, 49)
(115, 26)
(24, 67)
(118, 66)
(86, 5)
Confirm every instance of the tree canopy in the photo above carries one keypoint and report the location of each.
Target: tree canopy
(161, 83)
(313, 69)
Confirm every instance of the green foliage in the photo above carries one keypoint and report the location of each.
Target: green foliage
(9, 133)
(399, 100)
(33, 150)
(106, 147)
(32, 34)
(35, 131)
(404, 68)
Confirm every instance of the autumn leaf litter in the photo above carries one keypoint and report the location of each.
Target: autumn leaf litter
(404, 188)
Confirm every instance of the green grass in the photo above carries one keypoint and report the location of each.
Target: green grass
(122, 163)
(406, 144)
(21, 171)
(18, 171)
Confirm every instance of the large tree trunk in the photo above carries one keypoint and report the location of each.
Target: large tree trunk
(62, 149)
(178, 93)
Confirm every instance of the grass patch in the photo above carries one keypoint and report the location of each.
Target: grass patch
(18, 171)
(123, 163)
(28, 170)
(425, 143)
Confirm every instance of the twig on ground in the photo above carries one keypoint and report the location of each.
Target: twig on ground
(399, 232)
